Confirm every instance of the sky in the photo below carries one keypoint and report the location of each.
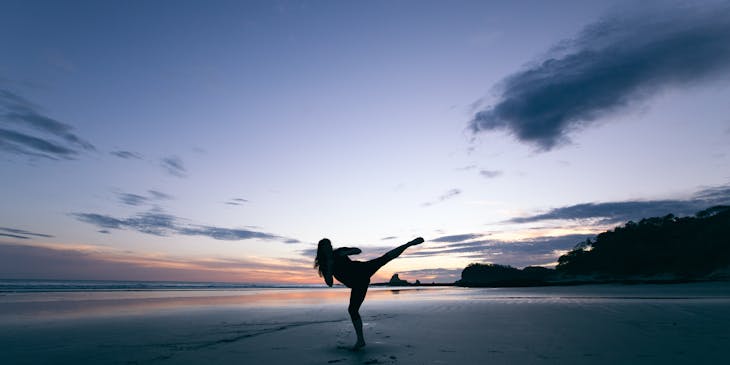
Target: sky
(220, 140)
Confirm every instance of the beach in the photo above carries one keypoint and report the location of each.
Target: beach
(592, 324)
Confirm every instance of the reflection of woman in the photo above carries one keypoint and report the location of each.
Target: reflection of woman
(354, 274)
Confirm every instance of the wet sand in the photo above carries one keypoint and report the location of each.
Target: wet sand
(684, 323)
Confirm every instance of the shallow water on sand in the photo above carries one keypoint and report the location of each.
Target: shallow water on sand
(24, 306)
(593, 324)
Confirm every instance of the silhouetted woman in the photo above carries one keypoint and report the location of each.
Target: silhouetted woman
(354, 274)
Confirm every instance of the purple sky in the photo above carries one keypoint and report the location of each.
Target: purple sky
(182, 140)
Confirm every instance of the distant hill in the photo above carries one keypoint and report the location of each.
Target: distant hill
(685, 248)
(503, 275)
(660, 249)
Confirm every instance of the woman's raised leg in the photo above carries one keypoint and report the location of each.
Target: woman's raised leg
(399, 250)
(376, 264)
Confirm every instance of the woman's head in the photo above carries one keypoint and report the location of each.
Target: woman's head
(324, 256)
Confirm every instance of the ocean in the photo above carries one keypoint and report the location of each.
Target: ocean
(39, 286)
(110, 322)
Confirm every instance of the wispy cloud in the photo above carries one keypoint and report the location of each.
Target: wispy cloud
(490, 174)
(623, 211)
(158, 195)
(457, 238)
(138, 200)
(20, 233)
(236, 201)
(14, 236)
(132, 199)
(127, 155)
(448, 195)
(174, 166)
(611, 65)
(161, 224)
(27, 131)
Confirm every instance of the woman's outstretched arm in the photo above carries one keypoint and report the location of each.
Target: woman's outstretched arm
(347, 251)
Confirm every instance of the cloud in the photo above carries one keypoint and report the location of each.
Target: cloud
(161, 224)
(714, 195)
(127, 155)
(448, 195)
(20, 233)
(19, 143)
(518, 253)
(132, 199)
(28, 132)
(137, 200)
(490, 174)
(611, 65)
(457, 238)
(158, 195)
(174, 166)
(388, 238)
(623, 211)
(14, 236)
(227, 234)
(236, 201)
(613, 212)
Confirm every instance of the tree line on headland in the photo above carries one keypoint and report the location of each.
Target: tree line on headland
(659, 249)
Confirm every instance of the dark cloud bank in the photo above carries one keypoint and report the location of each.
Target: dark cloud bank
(162, 224)
(26, 131)
(619, 212)
(611, 65)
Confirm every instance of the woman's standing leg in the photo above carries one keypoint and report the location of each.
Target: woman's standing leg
(357, 296)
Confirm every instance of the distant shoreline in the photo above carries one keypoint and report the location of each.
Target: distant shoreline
(60, 286)
(518, 284)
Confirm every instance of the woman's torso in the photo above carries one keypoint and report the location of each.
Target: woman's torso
(348, 272)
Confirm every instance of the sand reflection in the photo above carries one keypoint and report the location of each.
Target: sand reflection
(25, 306)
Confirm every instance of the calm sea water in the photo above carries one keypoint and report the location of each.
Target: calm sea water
(35, 286)
(24, 300)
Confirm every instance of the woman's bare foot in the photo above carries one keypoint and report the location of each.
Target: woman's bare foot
(358, 345)
(416, 241)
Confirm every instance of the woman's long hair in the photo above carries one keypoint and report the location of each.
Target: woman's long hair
(324, 256)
